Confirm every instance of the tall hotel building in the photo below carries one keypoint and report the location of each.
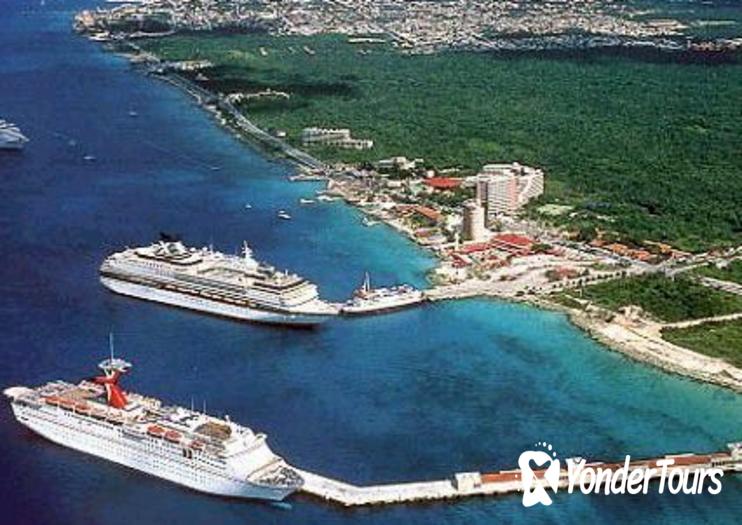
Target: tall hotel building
(504, 188)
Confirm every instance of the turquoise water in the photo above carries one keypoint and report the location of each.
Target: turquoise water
(416, 395)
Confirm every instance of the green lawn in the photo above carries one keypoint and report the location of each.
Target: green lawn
(715, 339)
(647, 146)
(665, 299)
(733, 272)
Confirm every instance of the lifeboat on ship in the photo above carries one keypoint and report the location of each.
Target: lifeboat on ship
(52, 400)
(82, 409)
(156, 431)
(172, 436)
(66, 404)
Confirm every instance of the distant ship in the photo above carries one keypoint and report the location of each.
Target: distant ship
(186, 447)
(370, 300)
(11, 137)
(283, 214)
(209, 281)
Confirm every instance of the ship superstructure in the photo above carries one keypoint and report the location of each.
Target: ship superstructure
(206, 280)
(370, 300)
(199, 451)
(11, 136)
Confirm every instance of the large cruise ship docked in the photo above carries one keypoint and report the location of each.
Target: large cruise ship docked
(11, 136)
(205, 453)
(209, 281)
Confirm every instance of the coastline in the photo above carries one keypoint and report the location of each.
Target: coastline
(640, 344)
(618, 337)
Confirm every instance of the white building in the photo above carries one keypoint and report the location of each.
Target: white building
(472, 226)
(504, 188)
(339, 137)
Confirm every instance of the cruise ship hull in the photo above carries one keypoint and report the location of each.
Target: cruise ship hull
(203, 304)
(114, 445)
(12, 145)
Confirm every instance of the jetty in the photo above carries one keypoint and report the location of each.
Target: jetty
(471, 484)
(463, 484)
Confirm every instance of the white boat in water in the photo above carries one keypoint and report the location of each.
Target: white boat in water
(283, 214)
(326, 198)
(368, 300)
(205, 453)
(367, 221)
(202, 279)
(11, 137)
(306, 201)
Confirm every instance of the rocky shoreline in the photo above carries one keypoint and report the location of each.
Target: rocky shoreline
(644, 346)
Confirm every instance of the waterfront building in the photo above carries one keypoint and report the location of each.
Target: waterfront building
(398, 163)
(504, 188)
(338, 137)
(473, 228)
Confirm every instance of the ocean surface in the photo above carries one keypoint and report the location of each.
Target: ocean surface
(416, 395)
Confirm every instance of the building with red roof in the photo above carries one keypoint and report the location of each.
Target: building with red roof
(443, 183)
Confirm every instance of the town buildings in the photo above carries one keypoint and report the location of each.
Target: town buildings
(473, 227)
(504, 188)
(338, 137)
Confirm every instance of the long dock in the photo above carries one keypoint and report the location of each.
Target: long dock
(470, 484)
(461, 485)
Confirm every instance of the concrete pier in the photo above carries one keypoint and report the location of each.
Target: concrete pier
(461, 485)
(469, 484)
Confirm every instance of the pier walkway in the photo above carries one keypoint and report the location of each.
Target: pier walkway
(462, 485)
(470, 484)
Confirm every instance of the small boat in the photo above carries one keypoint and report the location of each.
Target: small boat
(367, 300)
(248, 206)
(133, 113)
(89, 158)
(306, 201)
(326, 198)
(283, 214)
(369, 222)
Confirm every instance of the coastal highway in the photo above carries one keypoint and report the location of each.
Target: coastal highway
(239, 120)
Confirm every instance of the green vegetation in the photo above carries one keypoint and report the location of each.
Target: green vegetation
(732, 272)
(668, 300)
(715, 339)
(643, 145)
(566, 300)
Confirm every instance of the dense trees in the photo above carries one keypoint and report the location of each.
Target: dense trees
(666, 299)
(648, 148)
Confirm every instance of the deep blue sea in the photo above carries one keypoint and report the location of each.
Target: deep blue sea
(416, 395)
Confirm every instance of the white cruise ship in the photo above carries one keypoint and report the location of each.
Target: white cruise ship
(190, 448)
(11, 136)
(209, 281)
(368, 300)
